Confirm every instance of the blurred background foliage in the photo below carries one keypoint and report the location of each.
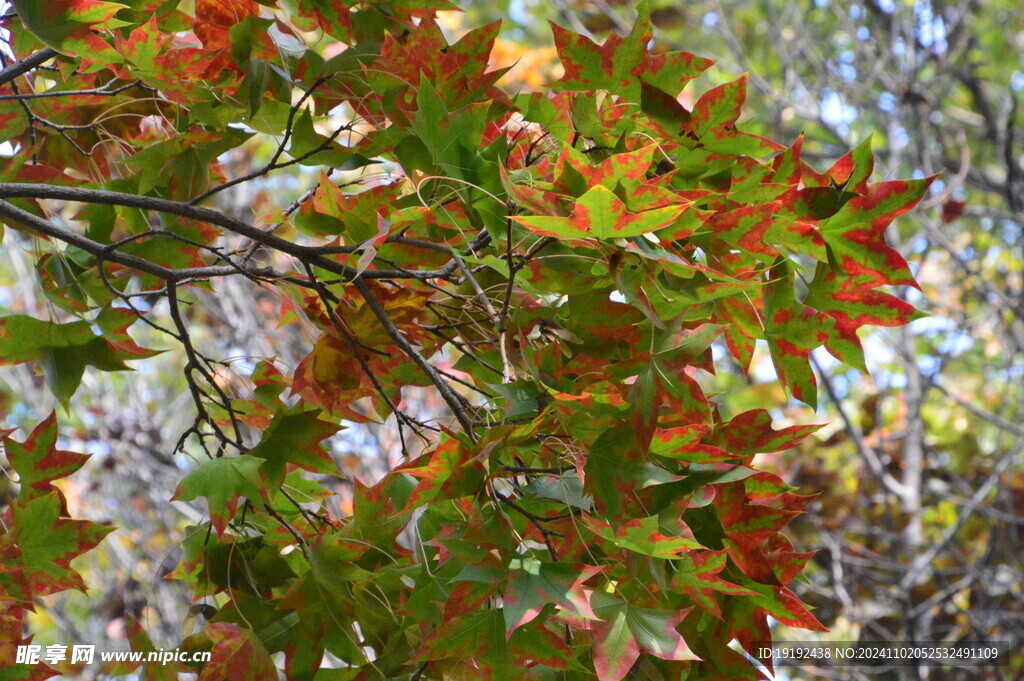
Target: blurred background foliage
(919, 525)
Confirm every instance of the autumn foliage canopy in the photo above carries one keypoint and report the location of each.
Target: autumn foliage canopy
(561, 267)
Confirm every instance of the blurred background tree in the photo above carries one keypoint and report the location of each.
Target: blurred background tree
(920, 523)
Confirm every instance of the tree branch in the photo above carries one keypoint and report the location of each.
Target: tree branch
(867, 453)
(27, 64)
(307, 254)
(105, 252)
(453, 400)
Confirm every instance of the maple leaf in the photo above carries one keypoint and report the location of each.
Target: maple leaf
(747, 524)
(854, 301)
(355, 216)
(626, 631)
(324, 618)
(745, 228)
(475, 639)
(450, 136)
(142, 46)
(856, 233)
(793, 330)
(448, 471)
(684, 444)
(64, 350)
(404, 307)
(712, 640)
(38, 462)
(600, 214)
(786, 563)
(48, 543)
(719, 108)
(237, 655)
(746, 617)
(643, 536)
(216, 18)
(534, 584)
(293, 437)
(620, 65)
(574, 173)
(714, 117)
(458, 72)
(66, 25)
(751, 433)
(329, 376)
(222, 481)
(697, 576)
(12, 621)
(472, 646)
(851, 171)
(14, 588)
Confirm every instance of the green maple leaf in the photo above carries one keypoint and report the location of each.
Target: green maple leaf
(222, 481)
(719, 108)
(855, 235)
(714, 117)
(475, 646)
(294, 437)
(64, 350)
(851, 171)
(38, 462)
(697, 577)
(449, 136)
(332, 563)
(49, 542)
(58, 22)
(600, 214)
(749, 519)
(454, 143)
(853, 301)
(746, 617)
(621, 65)
(143, 45)
(325, 619)
(459, 71)
(751, 433)
(793, 330)
(627, 630)
(448, 471)
(643, 536)
(745, 229)
(477, 636)
(711, 640)
(684, 443)
(574, 173)
(534, 646)
(534, 584)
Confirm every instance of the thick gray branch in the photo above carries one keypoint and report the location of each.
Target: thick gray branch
(44, 191)
(37, 224)
(25, 65)
(308, 254)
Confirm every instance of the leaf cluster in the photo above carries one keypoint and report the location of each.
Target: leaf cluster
(559, 267)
